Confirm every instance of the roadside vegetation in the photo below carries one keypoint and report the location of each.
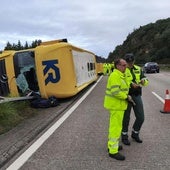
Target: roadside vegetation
(165, 67)
(150, 42)
(12, 113)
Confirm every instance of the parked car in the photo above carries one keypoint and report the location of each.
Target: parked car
(151, 67)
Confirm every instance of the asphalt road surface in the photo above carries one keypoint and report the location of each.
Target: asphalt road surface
(77, 140)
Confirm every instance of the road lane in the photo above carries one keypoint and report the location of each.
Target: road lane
(74, 144)
(81, 141)
(28, 153)
(159, 82)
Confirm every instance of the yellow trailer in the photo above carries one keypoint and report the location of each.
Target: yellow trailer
(99, 68)
(54, 68)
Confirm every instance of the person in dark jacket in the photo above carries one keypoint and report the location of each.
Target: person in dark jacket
(136, 80)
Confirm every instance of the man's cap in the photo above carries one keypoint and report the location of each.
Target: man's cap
(129, 57)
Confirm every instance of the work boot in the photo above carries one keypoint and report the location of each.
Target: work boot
(117, 156)
(135, 136)
(119, 148)
(125, 139)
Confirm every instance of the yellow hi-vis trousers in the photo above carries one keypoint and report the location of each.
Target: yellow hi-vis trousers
(115, 128)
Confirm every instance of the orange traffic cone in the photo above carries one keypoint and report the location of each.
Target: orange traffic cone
(166, 108)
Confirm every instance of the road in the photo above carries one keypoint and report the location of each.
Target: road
(78, 138)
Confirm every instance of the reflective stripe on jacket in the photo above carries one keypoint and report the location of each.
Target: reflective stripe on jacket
(116, 91)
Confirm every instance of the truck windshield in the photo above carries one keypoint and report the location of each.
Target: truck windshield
(25, 72)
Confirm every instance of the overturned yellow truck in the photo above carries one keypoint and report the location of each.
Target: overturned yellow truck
(55, 68)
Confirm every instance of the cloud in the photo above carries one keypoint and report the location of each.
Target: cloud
(96, 25)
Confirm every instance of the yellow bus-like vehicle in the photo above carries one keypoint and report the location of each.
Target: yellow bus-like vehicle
(54, 68)
(99, 68)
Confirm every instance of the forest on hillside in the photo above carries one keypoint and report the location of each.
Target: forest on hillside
(148, 43)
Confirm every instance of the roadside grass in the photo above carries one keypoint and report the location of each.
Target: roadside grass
(12, 113)
(165, 67)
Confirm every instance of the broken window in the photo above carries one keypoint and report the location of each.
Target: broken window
(25, 72)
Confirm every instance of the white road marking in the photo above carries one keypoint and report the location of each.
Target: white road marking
(32, 149)
(160, 98)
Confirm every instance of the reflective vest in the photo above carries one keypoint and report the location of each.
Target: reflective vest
(135, 75)
(116, 91)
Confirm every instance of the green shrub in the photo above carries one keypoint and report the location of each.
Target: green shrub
(12, 113)
(8, 116)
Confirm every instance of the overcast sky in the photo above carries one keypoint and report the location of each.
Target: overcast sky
(95, 25)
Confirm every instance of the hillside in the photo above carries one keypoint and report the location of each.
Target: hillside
(148, 43)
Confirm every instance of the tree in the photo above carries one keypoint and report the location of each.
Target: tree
(8, 46)
(150, 42)
(26, 45)
(19, 46)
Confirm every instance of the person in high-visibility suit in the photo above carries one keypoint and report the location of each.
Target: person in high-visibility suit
(115, 101)
(136, 79)
(105, 69)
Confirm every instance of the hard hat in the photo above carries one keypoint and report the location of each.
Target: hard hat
(129, 57)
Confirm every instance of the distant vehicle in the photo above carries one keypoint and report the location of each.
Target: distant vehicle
(151, 67)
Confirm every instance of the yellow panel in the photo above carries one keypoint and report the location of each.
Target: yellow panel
(8, 56)
(55, 71)
(100, 68)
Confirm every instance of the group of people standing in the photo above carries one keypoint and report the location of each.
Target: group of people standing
(123, 92)
(108, 68)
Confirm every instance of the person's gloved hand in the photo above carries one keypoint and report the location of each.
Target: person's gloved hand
(134, 85)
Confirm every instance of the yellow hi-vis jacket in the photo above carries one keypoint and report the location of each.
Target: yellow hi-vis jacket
(137, 76)
(116, 92)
